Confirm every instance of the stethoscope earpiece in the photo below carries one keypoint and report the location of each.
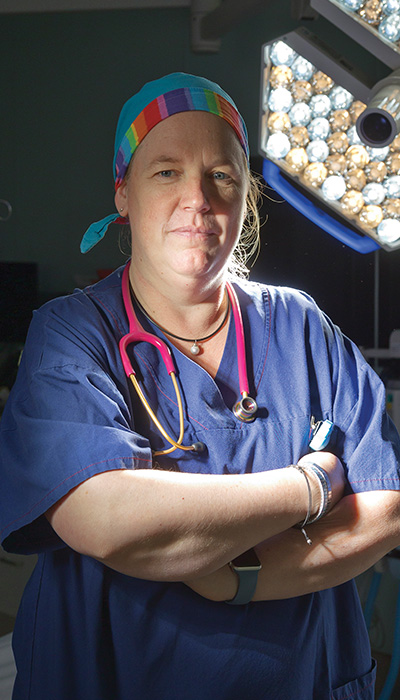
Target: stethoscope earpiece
(245, 409)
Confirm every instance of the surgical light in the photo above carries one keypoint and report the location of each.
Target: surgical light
(312, 108)
(375, 24)
(380, 122)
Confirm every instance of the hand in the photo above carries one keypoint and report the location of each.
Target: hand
(333, 467)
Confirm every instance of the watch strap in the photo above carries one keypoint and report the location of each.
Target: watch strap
(247, 582)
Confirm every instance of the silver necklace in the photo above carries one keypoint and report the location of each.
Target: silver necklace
(195, 349)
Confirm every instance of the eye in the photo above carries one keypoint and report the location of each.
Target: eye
(219, 175)
(166, 173)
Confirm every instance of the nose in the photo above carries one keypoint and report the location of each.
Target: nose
(194, 196)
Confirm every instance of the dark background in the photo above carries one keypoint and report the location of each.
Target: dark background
(64, 77)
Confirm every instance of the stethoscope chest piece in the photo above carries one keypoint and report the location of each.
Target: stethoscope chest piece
(245, 409)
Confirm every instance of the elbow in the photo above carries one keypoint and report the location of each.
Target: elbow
(142, 557)
(382, 517)
(87, 538)
(101, 543)
(391, 517)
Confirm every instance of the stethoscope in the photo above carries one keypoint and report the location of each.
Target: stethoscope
(244, 409)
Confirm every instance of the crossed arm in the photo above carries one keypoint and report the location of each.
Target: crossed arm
(171, 526)
(359, 531)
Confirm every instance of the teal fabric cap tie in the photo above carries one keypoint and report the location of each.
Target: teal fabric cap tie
(98, 230)
(158, 100)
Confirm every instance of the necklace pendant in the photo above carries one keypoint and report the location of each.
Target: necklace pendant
(195, 348)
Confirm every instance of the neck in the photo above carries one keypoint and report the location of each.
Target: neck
(190, 310)
(195, 348)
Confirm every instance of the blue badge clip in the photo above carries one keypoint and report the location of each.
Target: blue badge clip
(322, 433)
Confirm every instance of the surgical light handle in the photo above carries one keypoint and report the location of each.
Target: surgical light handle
(272, 176)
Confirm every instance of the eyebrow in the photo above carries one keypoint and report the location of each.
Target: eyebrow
(160, 160)
(171, 160)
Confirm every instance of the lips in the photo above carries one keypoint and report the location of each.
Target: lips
(193, 231)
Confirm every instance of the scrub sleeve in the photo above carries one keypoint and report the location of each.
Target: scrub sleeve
(73, 414)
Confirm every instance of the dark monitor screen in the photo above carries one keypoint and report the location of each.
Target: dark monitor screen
(18, 299)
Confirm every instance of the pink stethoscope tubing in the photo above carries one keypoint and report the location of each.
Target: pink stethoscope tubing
(244, 409)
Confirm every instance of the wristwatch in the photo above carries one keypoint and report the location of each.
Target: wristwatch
(246, 566)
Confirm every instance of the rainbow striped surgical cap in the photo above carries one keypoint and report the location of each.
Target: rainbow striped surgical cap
(158, 100)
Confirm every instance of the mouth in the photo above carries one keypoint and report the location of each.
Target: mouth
(193, 231)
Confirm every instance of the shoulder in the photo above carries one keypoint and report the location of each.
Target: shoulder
(282, 300)
(103, 297)
(80, 324)
(289, 314)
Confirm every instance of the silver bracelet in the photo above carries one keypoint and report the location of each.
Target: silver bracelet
(325, 487)
(306, 520)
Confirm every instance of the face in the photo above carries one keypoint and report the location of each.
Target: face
(185, 197)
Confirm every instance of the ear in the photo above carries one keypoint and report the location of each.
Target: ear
(121, 200)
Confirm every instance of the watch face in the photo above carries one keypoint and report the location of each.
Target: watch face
(248, 558)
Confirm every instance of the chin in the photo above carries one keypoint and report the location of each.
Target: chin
(199, 273)
(198, 264)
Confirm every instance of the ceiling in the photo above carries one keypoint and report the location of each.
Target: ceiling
(15, 6)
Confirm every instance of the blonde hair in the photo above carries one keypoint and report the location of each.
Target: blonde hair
(248, 246)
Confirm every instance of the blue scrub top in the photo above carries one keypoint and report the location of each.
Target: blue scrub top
(86, 631)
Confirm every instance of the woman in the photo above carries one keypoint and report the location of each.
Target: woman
(136, 539)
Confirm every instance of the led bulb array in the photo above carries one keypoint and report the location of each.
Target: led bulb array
(381, 15)
(308, 129)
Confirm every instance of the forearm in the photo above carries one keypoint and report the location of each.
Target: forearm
(171, 526)
(359, 531)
